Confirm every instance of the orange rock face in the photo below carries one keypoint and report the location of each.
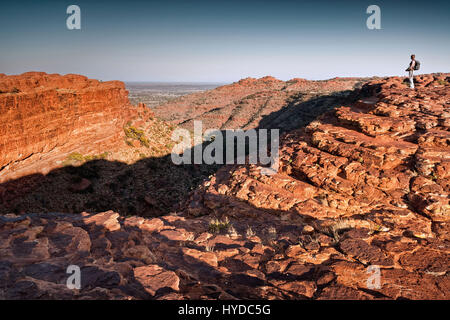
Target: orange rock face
(44, 117)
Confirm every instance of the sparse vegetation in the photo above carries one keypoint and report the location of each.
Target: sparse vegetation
(249, 232)
(272, 231)
(79, 158)
(103, 155)
(232, 232)
(133, 133)
(144, 141)
(75, 156)
(271, 235)
(216, 225)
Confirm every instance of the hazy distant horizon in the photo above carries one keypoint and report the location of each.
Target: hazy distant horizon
(174, 82)
(155, 93)
(221, 83)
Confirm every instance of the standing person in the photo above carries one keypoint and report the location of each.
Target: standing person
(413, 65)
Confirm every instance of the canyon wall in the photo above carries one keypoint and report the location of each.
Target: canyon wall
(44, 117)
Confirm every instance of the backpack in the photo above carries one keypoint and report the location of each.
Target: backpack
(417, 65)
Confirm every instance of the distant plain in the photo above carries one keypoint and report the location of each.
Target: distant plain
(156, 93)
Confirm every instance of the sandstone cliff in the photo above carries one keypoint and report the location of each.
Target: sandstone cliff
(45, 117)
(366, 184)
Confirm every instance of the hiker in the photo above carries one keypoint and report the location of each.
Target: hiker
(413, 65)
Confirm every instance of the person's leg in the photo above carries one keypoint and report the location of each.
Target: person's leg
(411, 79)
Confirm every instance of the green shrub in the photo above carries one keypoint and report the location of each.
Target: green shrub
(76, 156)
(133, 133)
(144, 141)
(104, 155)
(216, 225)
(136, 134)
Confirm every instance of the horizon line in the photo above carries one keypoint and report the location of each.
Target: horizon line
(225, 82)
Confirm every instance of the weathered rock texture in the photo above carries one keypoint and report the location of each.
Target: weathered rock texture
(364, 185)
(259, 103)
(44, 117)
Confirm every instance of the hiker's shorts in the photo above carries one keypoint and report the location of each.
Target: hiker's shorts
(411, 79)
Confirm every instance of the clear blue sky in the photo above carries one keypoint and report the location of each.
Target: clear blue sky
(223, 41)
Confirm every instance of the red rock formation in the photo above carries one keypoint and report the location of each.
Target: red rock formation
(364, 185)
(244, 104)
(44, 117)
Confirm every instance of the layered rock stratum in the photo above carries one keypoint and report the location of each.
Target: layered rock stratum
(364, 185)
(45, 117)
